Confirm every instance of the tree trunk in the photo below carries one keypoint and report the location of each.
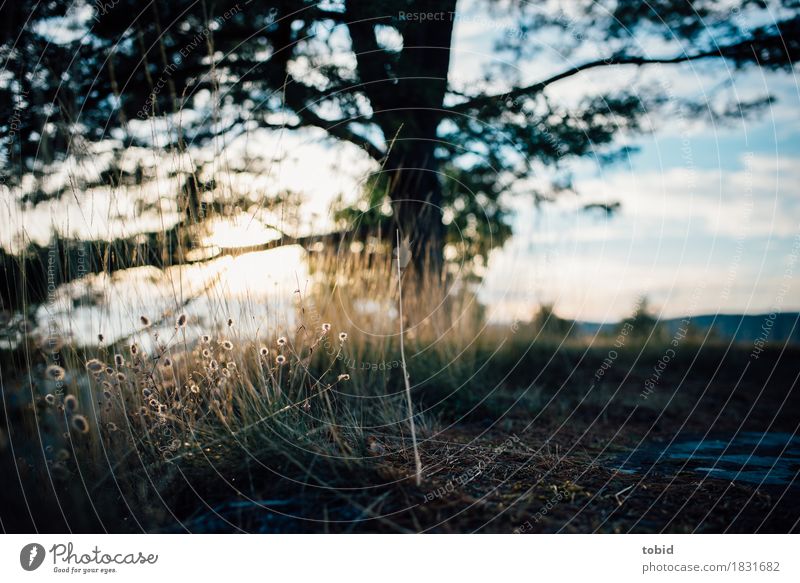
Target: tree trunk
(413, 113)
(416, 195)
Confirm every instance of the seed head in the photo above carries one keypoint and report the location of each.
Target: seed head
(342, 336)
(54, 372)
(80, 424)
(227, 345)
(181, 321)
(119, 360)
(326, 328)
(144, 320)
(344, 377)
(70, 403)
(263, 351)
(52, 344)
(280, 360)
(95, 366)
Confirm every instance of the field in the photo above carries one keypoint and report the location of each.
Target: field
(207, 428)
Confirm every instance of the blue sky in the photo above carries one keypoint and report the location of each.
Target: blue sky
(715, 236)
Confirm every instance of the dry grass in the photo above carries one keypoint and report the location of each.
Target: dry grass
(215, 429)
(197, 401)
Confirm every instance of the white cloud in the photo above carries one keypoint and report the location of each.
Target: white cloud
(727, 232)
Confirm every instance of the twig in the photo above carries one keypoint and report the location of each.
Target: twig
(417, 462)
(620, 493)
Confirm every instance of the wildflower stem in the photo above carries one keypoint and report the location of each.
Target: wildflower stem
(417, 462)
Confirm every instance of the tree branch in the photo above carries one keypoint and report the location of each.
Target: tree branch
(338, 129)
(742, 51)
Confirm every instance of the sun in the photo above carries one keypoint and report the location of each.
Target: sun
(241, 230)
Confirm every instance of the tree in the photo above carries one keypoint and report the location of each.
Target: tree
(371, 73)
(642, 324)
(547, 324)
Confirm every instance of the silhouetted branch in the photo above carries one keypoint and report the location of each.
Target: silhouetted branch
(779, 48)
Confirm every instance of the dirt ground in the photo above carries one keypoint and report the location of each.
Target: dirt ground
(545, 458)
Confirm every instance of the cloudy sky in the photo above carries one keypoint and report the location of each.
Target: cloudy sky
(710, 212)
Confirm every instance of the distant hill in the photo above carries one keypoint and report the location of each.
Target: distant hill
(727, 327)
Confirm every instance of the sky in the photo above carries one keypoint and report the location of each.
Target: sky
(710, 212)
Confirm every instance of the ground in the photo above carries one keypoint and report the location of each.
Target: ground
(540, 458)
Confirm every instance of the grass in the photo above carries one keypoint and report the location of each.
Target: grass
(216, 430)
(126, 421)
